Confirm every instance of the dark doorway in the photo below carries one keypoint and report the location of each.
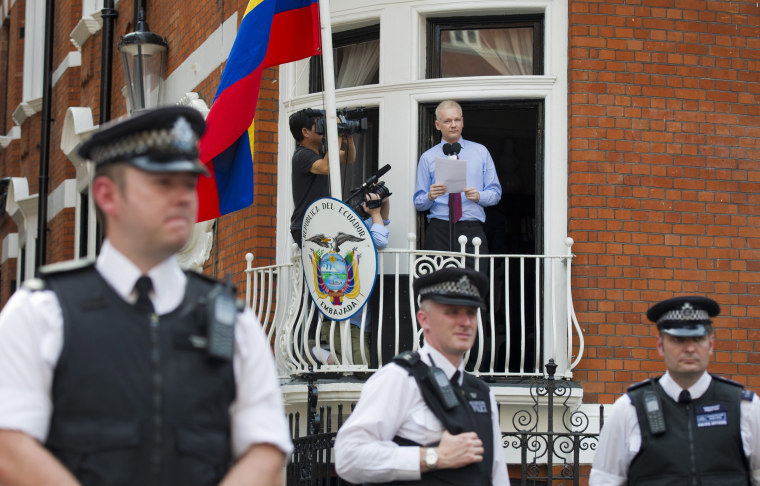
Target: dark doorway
(512, 132)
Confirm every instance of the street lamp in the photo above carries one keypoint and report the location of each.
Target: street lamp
(143, 54)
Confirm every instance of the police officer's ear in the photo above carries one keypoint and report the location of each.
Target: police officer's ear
(106, 193)
(423, 317)
(660, 351)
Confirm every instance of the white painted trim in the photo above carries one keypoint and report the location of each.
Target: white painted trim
(5, 9)
(72, 59)
(85, 28)
(203, 61)
(402, 88)
(77, 126)
(23, 208)
(91, 6)
(198, 248)
(13, 134)
(34, 49)
(26, 109)
(64, 196)
(10, 247)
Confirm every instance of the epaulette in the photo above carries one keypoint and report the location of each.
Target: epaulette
(37, 284)
(407, 358)
(66, 266)
(642, 384)
(726, 380)
(34, 284)
(748, 395)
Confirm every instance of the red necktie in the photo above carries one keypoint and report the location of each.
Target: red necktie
(455, 203)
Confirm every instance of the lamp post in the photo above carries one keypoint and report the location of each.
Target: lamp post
(143, 54)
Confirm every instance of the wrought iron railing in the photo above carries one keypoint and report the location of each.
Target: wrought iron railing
(529, 317)
(550, 453)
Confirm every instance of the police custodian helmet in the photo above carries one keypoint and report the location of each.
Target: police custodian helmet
(686, 316)
(454, 286)
(161, 139)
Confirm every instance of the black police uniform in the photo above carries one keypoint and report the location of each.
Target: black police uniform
(702, 443)
(459, 408)
(688, 442)
(123, 413)
(473, 414)
(136, 421)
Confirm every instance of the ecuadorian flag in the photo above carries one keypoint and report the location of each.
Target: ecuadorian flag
(272, 32)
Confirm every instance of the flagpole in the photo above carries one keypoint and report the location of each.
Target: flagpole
(331, 120)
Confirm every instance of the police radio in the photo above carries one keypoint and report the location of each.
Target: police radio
(442, 387)
(655, 416)
(221, 312)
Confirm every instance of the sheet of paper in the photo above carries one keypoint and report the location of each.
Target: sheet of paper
(452, 173)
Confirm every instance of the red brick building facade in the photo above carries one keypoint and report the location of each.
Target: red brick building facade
(662, 154)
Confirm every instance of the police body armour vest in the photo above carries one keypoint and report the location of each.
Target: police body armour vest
(702, 444)
(472, 415)
(134, 400)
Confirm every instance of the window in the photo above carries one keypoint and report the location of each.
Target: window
(356, 59)
(84, 211)
(90, 7)
(22, 264)
(353, 175)
(34, 49)
(485, 46)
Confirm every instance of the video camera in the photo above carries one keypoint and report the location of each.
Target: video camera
(350, 120)
(370, 186)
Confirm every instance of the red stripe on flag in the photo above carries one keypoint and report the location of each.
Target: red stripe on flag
(208, 196)
(230, 115)
(294, 35)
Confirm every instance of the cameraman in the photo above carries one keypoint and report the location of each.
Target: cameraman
(309, 173)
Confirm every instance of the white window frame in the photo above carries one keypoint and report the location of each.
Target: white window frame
(34, 50)
(90, 7)
(403, 86)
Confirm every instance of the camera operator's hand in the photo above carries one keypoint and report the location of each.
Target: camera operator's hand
(385, 209)
(472, 194)
(436, 190)
(373, 212)
(347, 148)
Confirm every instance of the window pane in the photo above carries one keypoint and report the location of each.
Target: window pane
(487, 52)
(357, 64)
(356, 59)
(366, 142)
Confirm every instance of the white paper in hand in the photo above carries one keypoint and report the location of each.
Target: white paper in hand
(452, 173)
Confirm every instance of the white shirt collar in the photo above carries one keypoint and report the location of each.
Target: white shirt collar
(427, 352)
(673, 389)
(168, 278)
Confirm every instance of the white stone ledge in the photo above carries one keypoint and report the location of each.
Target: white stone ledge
(85, 28)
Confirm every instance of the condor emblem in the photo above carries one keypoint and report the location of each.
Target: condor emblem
(339, 258)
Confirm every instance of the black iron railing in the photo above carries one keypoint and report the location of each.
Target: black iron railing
(549, 453)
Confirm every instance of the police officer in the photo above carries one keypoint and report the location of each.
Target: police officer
(129, 370)
(686, 427)
(421, 419)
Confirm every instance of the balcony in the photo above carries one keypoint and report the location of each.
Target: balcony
(529, 317)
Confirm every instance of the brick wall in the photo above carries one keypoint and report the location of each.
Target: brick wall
(664, 179)
(253, 229)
